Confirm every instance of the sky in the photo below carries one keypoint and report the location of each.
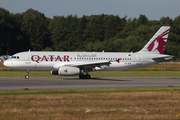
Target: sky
(152, 9)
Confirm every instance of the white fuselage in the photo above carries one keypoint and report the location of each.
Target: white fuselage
(78, 63)
(52, 60)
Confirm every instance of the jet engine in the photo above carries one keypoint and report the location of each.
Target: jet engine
(54, 72)
(68, 71)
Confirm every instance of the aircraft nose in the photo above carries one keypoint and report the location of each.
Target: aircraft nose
(6, 63)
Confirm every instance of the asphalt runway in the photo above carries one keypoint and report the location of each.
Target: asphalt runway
(53, 83)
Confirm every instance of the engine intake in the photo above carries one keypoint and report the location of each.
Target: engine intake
(54, 72)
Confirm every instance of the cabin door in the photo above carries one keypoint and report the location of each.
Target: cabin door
(139, 59)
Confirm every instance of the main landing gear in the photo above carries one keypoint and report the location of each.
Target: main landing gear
(82, 76)
(27, 74)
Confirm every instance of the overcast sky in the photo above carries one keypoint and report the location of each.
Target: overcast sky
(152, 9)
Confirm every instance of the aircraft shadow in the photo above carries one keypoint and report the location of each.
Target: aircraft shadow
(96, 78)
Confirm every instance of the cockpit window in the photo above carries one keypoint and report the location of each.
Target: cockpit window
(14, 57)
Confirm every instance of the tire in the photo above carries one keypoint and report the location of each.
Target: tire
(27, 76)
(88, 76)
(81, 76)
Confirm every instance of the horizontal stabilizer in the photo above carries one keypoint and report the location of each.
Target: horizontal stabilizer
(162, 58)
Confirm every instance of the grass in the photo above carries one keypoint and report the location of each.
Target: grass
(158, 70)
(26, 91)
(150, 103)
(96, 74)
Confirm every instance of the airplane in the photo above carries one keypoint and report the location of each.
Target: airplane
(78, 63)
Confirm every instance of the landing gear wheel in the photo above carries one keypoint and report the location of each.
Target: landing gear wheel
(27, 76)
(87, 76)
(81, 76)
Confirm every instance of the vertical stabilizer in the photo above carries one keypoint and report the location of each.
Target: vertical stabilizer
(158, 42)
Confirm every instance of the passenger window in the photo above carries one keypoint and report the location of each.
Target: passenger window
(17, 57)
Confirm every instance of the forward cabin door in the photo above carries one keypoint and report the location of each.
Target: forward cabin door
(27, 58)
(31, 65)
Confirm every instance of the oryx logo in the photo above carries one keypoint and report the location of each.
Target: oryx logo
(159, 43)
(66, 70)
(118, 60)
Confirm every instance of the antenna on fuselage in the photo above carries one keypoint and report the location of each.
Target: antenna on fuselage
(29, 50)
(102, 51)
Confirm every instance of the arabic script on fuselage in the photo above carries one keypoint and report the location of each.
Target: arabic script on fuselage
(86, 55)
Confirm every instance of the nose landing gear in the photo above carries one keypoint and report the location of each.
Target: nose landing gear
(27, 74)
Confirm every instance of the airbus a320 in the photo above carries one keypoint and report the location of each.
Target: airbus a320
(81, 63)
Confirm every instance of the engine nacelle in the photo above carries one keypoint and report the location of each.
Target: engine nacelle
(98, 68)
(68, 71)
(54, 72)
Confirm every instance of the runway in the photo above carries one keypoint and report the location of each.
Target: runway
(56, 83)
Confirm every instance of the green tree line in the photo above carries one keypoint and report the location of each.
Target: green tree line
(33, 30)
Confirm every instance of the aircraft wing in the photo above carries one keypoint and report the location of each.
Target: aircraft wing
(86, 65)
